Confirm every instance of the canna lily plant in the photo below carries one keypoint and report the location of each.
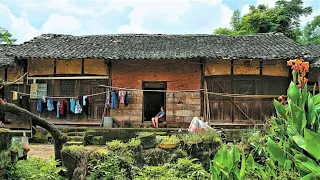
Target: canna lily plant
(298, 142)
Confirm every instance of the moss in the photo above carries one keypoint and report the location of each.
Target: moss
(5, 139)
(71, 156)
(123, 134)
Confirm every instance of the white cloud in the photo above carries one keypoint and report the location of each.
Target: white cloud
(245, 9)
(167, 11)
(57, 23)
(269, 3)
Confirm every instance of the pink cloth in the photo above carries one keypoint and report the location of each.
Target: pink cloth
(121, 95)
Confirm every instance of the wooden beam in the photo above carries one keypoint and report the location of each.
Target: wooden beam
(69, 77)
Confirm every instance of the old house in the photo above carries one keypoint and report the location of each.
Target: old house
(226, 79)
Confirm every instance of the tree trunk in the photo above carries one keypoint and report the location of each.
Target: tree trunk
(59, 138)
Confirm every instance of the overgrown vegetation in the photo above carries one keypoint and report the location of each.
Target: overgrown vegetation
(34, 169)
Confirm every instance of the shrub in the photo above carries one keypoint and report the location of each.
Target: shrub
(116, 144)
(105, 164)
(34, 169)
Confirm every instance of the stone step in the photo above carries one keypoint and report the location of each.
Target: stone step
(70, 143)
(76, 134)
(76, 138)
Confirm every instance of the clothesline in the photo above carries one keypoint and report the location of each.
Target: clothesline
(148, 90)
(200, 90)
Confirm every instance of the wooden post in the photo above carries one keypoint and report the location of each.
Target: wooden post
(205, 102)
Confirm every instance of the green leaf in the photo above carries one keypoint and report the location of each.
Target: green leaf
(276, 152)
(311, 176)
(235, 155)
(312, 141)
(304, 96)
(250, 162)
(306, 165)
(316, 99)
(296, 137)
(298, 117)
(280, 109)
(243, 166)
(293, 93)
(287, 164)
(311, 111)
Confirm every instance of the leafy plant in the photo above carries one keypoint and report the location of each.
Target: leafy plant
(173, 139)
(116, 144)
(185, 168)
(191, 138)
(105, 165)
(225, 164)
(294, 138)
(34, 169)
(134, 142)
(4, 159)
(145, 134)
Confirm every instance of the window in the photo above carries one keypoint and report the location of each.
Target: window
(67, 87)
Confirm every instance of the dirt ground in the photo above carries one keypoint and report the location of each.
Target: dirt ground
(41, 150)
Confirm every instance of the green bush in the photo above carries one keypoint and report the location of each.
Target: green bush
(34, 169)
(104, 164)
(185, 168)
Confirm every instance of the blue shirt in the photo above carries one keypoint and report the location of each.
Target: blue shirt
(161, 113)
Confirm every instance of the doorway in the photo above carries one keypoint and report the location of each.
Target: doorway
(153, 100)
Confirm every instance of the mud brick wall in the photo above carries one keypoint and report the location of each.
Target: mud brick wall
(179, 74)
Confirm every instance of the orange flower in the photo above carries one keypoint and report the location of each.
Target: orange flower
(305, 80)
(297, 67)
(290, 62)
(300, 86)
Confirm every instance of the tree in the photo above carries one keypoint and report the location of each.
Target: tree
(284, 17)
(6, 36)
(310, 34)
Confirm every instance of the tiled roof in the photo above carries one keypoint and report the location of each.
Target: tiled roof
(6, 60)
(159, 46)
(315, 55)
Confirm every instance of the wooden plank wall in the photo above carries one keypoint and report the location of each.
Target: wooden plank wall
(244, 77)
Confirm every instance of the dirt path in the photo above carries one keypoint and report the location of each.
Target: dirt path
(41, 150)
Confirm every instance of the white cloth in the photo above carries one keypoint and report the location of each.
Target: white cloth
(84, 100)
(78, 108)
(196, 125)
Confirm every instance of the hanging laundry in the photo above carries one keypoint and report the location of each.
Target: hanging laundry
(50, 106)
(58, 110)
(62, 106)
(126, 99)
(14, 95)
(80, 98)
(72, 105)
(84, 100)
(67, 106)
(86, 106)
(24, 102)
(39, 105)
(107, 103)
(78, 108)
(114, 100)
(121, 96)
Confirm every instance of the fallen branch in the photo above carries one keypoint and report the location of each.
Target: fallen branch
(3, 84)
(59, 138)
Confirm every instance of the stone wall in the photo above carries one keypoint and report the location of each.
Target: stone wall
(181, 107)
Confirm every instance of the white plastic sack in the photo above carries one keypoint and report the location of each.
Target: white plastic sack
(197, 125)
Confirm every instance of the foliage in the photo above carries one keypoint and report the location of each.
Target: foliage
(6, 36)
(258, 144)
(294, 137)
(184, 169)
(134, 142)
(225, 164)
(34, 168)
(284, 17)
(145, 134)
(4, 159)
(116, 144)
(310, 34)
(105, 165)
(74, 150)
(202, 136)
(173, 139)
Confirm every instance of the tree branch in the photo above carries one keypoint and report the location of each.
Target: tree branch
(3, 84)
(59, 138)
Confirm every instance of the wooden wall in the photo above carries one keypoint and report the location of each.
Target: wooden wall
(246, 67)
(51, 67)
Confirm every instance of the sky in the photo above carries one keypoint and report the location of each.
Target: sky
(26, 19)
